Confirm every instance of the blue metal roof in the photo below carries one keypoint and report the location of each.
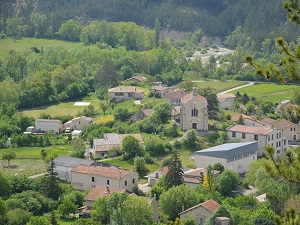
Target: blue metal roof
(229, 150)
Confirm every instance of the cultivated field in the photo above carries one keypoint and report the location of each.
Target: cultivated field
(219, 86)
(274, 93)
(24, 45)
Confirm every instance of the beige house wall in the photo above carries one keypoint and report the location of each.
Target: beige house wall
(82, 182)
(47, 125)
(205, 161)
(78, 124)
(186, 118)
(292, 133)
(226, 103)
(197, 214)
(125, 96)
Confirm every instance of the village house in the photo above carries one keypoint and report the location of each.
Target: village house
(64, 164)
(263, 135)
(226, 100)
(78, 123)
(123, 93)
(106, 191)
(291, 131)
(174, 97)
(85, 177)
(161, 90)
(42, 125)
(110, 142)
(234, 156)
(194, 177)
(140, 115)
(153, 177)
(249, 121)
(200, 212)
(193, 112)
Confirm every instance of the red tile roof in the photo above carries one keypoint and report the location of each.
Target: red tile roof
(250, 129)
(282, 124)
(101, 171)
(124, 89)
(210, 205)
(226, 95)
(237, 117)
(158, 88)
(190, 96)
(268, 120)
(175, 95)
(138, 78)
(101, 191)
(163, 170)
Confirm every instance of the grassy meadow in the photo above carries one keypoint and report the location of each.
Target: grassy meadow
(219, 86)
(269, 92)
(24, 45)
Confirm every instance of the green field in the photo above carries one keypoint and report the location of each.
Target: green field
(219, 86)
(24, 45)
(274, 93)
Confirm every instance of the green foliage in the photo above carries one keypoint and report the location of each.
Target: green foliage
(162, 112)
(227, 182)
(121, 114)
(218, 166)
(18, 217)
(155, 147)
(101, 210)
(221, 211)
(158, 188)
(38, 220)
(66, 208)
(172, 201)
(140, 166)
(131, 147)
(190, 138)
(3, 211)
(9, 155)
(174, 176)
(5, 187)
(189, 221)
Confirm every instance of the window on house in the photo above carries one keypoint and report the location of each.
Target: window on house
(130, 94)
(233, 134)
(93, 179)
(278, 151)
(294, 129)
(280, 135)
(125, 182)
(107, 182)
(157, 175)
(255, 137)
(268, 137)
(279, 143)
(133, 180)
(272, 137)
(277, 135)
(276, 144)
(291, 129)
(194, 112)
(284, 141)
(243, 135)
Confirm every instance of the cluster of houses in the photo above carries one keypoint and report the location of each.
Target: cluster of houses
(190, 111)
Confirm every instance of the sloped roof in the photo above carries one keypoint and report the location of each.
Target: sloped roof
(101, 171)
(137, 136)
(250, 129)
(101, 192)
(282, 124)
(124, 89)
(47, 120)
(209, 205)
(175, 95)
(138, 78)
(190, 96)
(158, 88)
(226, 95)
(147, 112)
(164, 170)
(229, 150)
(268, 120)
(235, 118)
(71, 161)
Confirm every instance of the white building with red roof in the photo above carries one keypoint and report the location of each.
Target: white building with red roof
(263, 135)
(200, 212)
(84, 177)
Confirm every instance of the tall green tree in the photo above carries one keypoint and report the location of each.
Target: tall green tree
(131, 147)
(50, 183)
(162, 112)
(3, 211)
(227, 182)
(174, 176)
(175, 199)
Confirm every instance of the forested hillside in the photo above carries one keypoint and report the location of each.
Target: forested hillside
(43, 18)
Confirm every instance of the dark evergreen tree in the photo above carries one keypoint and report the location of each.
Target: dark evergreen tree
(50, 183)
(174, 176)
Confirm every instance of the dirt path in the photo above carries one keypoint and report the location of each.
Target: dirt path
(236, 88)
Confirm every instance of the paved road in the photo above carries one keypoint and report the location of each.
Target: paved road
(236, 88)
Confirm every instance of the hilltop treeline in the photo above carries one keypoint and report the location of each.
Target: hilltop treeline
(43, 18)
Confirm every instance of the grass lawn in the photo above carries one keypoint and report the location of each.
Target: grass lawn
(269, 92)
(27, 167)
(24, 45)
(219, 86)
(65, 221)
(63, 108)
